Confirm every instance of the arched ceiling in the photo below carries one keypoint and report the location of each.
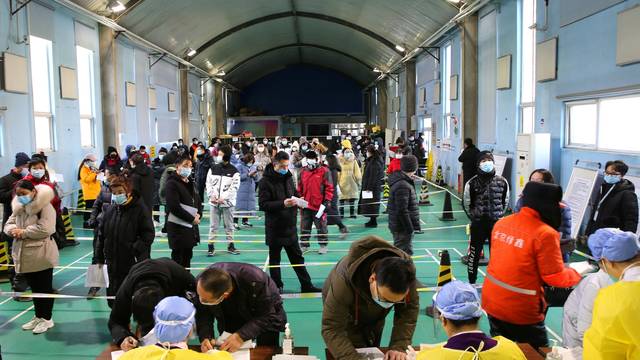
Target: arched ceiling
(248, 39)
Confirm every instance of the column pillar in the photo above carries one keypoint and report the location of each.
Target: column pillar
(109, 100)
(219, 109)
(382, 104)
(184, 103)
(410, 96)
(469, 80)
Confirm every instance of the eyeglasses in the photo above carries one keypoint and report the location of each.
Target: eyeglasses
(215, 303)
(403, 301)
(612, 173)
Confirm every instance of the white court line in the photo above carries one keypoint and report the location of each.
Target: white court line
(57, 271)
(266, 264)
(31, 307)
(554, 334)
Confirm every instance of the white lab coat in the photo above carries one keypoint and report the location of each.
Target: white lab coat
(578, 309)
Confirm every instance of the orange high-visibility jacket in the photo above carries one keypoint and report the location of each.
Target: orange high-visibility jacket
(525, 254)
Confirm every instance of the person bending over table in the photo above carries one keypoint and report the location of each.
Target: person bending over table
(359, 294)
(244, 301)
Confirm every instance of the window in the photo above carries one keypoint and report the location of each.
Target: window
(41, 84)
(597, 124)
(85, 96)
(446, 89)
(528, 89)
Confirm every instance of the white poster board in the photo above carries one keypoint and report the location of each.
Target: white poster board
(15, 74)
(546, 60)
(578, 194)
(499, 161)
(627, 44)
(636, 182)
(68, 83)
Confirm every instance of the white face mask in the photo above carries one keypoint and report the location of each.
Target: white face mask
(219, 159)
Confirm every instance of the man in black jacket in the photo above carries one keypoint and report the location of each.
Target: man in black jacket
(244, 301)
(276, 190)
(148, 282)
(7, 184)
(468, 158)
(404, 216)
(141, 177)
(616, 205)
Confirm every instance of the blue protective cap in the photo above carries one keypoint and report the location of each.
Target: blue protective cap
(613, 244)
(458, 300)
(174, 318)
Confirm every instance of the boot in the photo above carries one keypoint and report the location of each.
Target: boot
(211, 251)
(372, 223)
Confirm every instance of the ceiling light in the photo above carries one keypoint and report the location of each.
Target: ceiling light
(400, 48)
(221, 73)
(116, 6)
(376, 70)
(455, 1)
(191, 52)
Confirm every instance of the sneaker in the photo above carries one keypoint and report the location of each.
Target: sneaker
(371, 224)
(32, 323)
(93, 292)
(343, 232)
(246, 224)
(310, 289)
(232, 250)
(323, 250)
(236, 227)
(43, 326)
(305, 249)
(212, 251)
(156, 224)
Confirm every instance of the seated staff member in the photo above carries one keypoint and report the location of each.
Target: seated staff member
(148, 282)
(174, 317)
(244, 301)
(616, 312)
(459, 306)
(525, 255)
(359, 294)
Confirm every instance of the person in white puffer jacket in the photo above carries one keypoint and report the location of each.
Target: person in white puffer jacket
(223, 181)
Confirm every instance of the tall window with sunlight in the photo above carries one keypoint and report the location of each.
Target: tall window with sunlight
(528, 93)
(85, 95)
(42, 89)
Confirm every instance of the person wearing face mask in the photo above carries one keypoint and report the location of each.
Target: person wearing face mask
(203, 164)
(223, 181)
(397, 152)
(418, 150)
(127, 233)
(246, 198)
(333, 213)
(145, 155)
(371, 182)
(578, 309)
(34, 253)
(404, 214)
(358, 295)
(458, 304)
(616, 204)
(486, 198)
(7, 192)
(111, 161)
(244, 302)
(185, 148)
(88, 178)
(349, 179)
(283, 145)
(316, 187)
(182, 202)
(616, 312)
(297, 162)
(157, 167)
(525, 255)
(247, 147)
(194, 147)
(469, 160)
(141, 178)
(261, 158)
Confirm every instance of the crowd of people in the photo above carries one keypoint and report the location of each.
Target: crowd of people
(325, 185)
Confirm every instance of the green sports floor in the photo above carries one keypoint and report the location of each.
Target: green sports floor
(81, 332)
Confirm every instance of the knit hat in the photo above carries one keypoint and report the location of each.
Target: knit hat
(545, 199)
(346, 144)
(163, 150)
(484, 155)
(409, 163)
(22, 159)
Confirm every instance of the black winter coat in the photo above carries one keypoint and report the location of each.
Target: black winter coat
(469, 160)
(618, 210)
(165, 273)
(142, 180)
(255, 302)
(202, 169)
(486, 196)
(371, 181)
(333, 211)
(7, 184)
(280, 221)
(404, 214)
(157, 166)
(127, 234)
(179, 192)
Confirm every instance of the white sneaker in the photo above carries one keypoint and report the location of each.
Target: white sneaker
(43, 326)
(323, 250)
(32, 323)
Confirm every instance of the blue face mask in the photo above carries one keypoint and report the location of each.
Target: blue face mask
(184, 172)
(487, 166)
(37, 173)
(384, 304)
(24, 172)
(612, 179)
(283, 171)
(119, 199)
(24, 199)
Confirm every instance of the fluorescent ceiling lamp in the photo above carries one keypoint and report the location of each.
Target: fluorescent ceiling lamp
(376, 70)
(221, 73)
(116, 6)
(191, 52)
(400, 48)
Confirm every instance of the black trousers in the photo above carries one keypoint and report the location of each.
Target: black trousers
(87, 213)
(115, 280)
(534, 334)
(182, 256)
(480, 231)
(41, 282)
(352, 205)
(403, 241)
(295, 257)
(156, 217)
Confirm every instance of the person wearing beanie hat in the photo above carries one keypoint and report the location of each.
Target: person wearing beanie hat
(616, 312)
(111, 161)
(458, 304)
(346, 144)
(404, 216)
(486, 199)
(174, 318)
(525, 255)
(157, 167)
